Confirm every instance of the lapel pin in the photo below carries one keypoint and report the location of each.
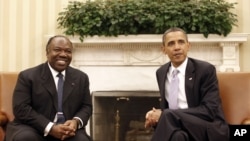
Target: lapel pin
(190, 78)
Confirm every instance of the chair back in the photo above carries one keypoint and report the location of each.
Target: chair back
(7, 85)
(235, 94)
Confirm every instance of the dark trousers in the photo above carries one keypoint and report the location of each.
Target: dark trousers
(176, 125)
(27, 133)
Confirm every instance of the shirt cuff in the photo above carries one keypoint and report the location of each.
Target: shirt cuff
(81, 123)
(48, 128)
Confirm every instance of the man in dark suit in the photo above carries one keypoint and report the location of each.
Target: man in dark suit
(35, 99)
(193, 112)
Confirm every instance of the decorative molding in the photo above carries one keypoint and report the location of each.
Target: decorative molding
(157, 38)
(141, 50)
(118, 54)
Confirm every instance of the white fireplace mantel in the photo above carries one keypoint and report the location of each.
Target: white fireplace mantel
(129, 62)
(139, 50)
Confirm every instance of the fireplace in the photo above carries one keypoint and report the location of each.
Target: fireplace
(120, 115)
(121, 97)
(122, 77)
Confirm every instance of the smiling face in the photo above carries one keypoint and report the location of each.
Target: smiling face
(59, 53)
(176, 47)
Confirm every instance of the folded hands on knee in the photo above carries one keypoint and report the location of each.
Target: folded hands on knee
(152, 117)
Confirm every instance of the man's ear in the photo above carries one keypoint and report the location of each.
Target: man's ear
(163, 49)
(189, 45)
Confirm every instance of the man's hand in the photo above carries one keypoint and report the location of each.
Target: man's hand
(72, 124)
(152, 117)
(63, 131)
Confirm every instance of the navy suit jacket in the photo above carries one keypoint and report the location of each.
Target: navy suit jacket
(35, 97)
(202, 93)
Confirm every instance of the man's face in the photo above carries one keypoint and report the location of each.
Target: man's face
(176, 47)
(59, 53)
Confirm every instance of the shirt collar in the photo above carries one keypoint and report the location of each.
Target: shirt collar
(181, 68)
(54, 72)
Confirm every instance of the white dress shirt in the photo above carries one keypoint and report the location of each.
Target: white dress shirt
(182, 100)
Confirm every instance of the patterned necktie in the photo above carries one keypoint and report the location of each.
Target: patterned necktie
(173, 90)
(60, 116)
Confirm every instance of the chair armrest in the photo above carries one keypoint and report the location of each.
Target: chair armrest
(246, 121)
(3, 119)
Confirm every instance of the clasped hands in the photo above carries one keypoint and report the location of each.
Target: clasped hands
(152, 117)
(65, 130)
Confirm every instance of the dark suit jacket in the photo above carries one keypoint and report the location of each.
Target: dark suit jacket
(202, 93)
(35, 97)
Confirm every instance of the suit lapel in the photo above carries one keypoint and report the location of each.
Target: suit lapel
(189, 82)
(164, 74)
(49, 84)
(69, 83)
